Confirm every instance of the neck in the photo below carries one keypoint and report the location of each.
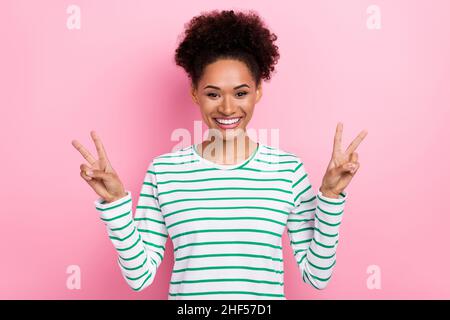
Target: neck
(231, 151)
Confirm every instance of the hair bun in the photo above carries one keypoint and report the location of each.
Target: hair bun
(216, 34)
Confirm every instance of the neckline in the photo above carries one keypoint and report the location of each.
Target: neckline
(226, 166)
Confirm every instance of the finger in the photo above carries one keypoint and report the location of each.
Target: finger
(351, 167)
(99, 146)
(84, 152)
(348, 167)
(85, 169)
(95, 185)
(99, 174)
(355, 143)
(353, 171)
(353, 157)
(85, 176)
(338, 138)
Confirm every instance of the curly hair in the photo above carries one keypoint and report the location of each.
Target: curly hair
(211, 36)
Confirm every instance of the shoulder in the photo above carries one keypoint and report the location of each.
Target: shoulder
(280, 154)
(172, 157)
(290, 160)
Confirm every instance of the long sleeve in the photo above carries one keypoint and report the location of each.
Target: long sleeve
(313, 229)
(139, 241)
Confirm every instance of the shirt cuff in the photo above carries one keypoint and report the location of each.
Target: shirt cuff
(342, 197)
(112, 209)
(331, 208)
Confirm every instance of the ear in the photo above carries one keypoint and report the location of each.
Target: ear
(258, 92)
(193, 92)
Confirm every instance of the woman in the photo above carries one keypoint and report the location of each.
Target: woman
(225, 202)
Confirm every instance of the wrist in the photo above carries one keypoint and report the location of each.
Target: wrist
(329, 193)
(123, 195)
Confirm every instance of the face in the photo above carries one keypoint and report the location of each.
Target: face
(226, 95)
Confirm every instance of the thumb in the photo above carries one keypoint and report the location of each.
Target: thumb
(99, 174)
(346, 167)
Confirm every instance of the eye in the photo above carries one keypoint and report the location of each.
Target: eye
(244, 93)
(212, 94)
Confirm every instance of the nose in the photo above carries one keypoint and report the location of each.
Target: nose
(227, 107)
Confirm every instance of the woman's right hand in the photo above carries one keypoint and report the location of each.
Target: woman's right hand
(99, 173)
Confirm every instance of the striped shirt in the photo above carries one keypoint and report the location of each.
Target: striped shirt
(226, 224)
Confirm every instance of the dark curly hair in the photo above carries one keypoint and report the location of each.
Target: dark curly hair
(227, 34)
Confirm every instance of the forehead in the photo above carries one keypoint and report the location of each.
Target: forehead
(226, 73)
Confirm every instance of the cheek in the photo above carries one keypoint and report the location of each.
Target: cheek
(248, 107)
(207, 106)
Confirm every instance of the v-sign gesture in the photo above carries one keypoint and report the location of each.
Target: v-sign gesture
(99, 173)
(342, 166)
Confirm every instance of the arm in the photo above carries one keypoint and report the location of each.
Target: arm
(313, 229)
(139, 241)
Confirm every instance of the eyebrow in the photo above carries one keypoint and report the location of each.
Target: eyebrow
(214, 87)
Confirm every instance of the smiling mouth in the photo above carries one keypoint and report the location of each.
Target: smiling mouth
(228, 123)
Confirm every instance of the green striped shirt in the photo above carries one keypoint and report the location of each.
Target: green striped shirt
(226, 224)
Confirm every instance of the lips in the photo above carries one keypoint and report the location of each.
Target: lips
(228, 123)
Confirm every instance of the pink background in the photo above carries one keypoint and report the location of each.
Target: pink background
(117, 76)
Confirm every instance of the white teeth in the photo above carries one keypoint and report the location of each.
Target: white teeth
(223, 121)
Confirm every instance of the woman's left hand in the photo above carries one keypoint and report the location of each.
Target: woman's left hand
(343, 165)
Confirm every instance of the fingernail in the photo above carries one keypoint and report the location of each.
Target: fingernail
(89, 173)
